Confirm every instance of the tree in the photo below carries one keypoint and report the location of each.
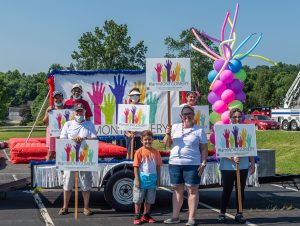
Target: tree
(109, 48)
(200, 65)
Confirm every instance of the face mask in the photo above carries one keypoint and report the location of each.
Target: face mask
(58, 104)
(79, 118)
(77, 98)
(135, 98)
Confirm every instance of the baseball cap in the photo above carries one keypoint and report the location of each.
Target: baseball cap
(79, 107)
(134, 92)
(77, 86)
(57, 93)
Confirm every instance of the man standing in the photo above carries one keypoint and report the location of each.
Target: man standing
(78, 130)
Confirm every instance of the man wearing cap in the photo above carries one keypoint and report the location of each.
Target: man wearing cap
(78, 130)
(76, 98)
(58, 98)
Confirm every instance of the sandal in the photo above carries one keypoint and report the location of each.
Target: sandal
(172, 221)
(221, 219)
(87, 212)
(63, 211)
(239, 218)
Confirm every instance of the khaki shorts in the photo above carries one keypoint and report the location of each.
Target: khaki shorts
(85, 180)
(139, 195)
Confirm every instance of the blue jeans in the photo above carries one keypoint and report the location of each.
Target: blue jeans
(184, 174)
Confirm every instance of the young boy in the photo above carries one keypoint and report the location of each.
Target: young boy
(147, 162)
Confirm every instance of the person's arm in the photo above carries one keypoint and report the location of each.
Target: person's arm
(64, 133)
(204, 154)
(252, 164)
(136, 176)
(158, 175)
(46, 117)
(168, 139)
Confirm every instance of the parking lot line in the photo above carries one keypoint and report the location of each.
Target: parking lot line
(279, 186)
(210, 207)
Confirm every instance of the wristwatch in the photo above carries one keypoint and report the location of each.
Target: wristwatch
(203, 164)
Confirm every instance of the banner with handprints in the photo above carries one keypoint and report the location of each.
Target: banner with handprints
(57, 119)
(105, 90)
(201, 116)
(77, 156)
(133, 117)
(168, 74)
(235, 139)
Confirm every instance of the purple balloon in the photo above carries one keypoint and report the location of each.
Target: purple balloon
(241, 96)
(218, 64)
(212, 97)
(227, 76)
(237, 85)
(219, 87)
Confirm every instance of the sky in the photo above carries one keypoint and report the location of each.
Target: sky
(35, 33)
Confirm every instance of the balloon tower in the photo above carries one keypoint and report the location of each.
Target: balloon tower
(227, 77)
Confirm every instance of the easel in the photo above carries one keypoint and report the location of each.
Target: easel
(132, 147)
(76, 196)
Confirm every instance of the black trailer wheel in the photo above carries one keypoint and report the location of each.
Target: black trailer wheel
(118, 190)
(294, 125)
(285, 125)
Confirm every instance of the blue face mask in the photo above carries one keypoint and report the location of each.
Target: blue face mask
(79, 118)
(58, 104)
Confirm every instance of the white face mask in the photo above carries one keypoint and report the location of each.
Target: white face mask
(77, 98)
(79, 118)
(135, 98)
(58, 104)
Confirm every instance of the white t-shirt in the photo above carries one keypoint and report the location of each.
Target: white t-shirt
(72, 129)
(186, 145)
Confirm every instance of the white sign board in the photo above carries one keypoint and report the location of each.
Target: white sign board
(168, 74)
(201, 116)
(57, 119)
(235, 140)
(77, 156)
(133, 117)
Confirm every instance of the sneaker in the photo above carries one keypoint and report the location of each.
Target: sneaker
(239, 218)
(146, 218)
(172, 221)
(87, 212)
(221, 219)
(63, 211)
(191, 222)
(137, 219)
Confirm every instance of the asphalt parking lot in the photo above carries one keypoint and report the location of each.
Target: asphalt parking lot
(269, 204)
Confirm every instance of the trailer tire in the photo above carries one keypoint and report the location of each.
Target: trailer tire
(118, 190)
(285, 125)
(294, 125)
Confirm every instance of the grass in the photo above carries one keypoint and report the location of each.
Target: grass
(286, 146)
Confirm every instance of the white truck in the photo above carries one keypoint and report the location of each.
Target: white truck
(289, 115)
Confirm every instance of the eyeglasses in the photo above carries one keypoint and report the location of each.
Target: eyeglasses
(187, 114)
(236, 116)
(76, 91)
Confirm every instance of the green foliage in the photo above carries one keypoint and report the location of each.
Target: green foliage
(109, 48)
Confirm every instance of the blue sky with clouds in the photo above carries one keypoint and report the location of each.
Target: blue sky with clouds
(35, 34)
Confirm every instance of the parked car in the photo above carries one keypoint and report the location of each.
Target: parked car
(262, 122)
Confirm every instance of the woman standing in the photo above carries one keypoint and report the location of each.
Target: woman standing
(191, 98)
(186, 163)
(229, 175)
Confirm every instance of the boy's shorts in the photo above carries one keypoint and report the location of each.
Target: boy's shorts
(184, 174)
(85, 180)
(139, 195)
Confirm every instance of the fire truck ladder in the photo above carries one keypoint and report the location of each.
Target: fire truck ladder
(293, 93)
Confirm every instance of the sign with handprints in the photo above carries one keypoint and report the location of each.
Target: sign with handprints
(57, 119)
(77, 156)
(168, 74)
(235, 139)
(201, 116)
(133, 117)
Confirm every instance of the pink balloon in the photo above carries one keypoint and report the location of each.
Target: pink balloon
(220, 106)
(225, 117)
(227, 76)
(218, 64)
(219, 123)
(237, 85)
(212, 138)
(212, 97)
(219, 87)
(228, 95)
(241, 96)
